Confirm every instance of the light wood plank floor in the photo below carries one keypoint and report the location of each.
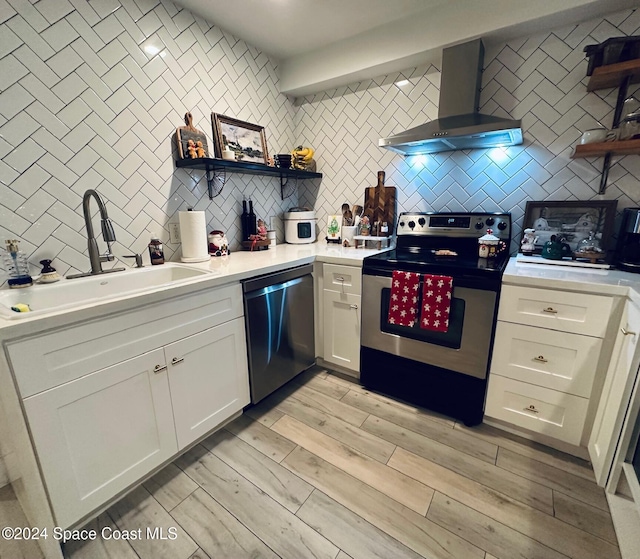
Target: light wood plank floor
(326, 469)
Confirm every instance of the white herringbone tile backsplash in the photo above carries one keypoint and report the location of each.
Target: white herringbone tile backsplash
(539, 79)
(82, 105)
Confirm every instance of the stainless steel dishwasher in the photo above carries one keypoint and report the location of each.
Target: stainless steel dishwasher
(278, 311)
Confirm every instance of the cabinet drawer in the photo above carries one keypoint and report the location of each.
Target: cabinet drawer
(43, 362)
(577, 313)
(344, 279)
(560, 361)
(552, 413)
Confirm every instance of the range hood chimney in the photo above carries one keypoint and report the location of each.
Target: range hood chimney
(459, 124)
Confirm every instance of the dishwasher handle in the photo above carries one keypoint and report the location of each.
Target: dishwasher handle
(276, 278)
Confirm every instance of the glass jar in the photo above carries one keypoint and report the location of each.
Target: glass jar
(589, 245)
(630, 126)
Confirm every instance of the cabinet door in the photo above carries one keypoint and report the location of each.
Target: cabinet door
(615, 395)
(97, 435)
(341, 314)
(209, 379)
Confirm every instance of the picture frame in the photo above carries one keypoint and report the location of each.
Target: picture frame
(572, 221)
(246, 139)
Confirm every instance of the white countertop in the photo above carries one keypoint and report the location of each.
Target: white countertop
(586, 280)
(223, 270)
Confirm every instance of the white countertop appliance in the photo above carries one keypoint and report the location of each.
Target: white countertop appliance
(300, 226)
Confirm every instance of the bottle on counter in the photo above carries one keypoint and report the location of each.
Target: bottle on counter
(244, 220)
(156, 251)
(253, 225)
(16, 265)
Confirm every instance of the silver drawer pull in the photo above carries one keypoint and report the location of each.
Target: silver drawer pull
(353, 307)
(627, 332)
(339, 278)
(541, 359)
(159, 368)
(177, 360)
(550, 310)
(532, 409)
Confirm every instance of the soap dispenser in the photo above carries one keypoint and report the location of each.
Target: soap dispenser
(15, 264)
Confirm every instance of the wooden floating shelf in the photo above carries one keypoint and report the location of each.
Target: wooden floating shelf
(613, 74)
(217, 169)
(210, 164)
(600, 149)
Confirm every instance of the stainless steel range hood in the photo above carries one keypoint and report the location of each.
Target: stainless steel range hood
(459, 125)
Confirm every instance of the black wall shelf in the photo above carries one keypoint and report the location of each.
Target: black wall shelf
(217, 169)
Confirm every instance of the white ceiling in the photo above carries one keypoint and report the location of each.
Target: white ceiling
(329, 43)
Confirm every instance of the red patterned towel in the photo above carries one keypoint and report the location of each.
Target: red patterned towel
(403, 306)
(436, 302)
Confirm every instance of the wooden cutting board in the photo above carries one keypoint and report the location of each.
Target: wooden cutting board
(190, 132)
(380, 202)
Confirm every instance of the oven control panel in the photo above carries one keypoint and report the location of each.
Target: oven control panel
(454, 224)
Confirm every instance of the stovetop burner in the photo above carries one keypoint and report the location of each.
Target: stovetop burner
(420, 236)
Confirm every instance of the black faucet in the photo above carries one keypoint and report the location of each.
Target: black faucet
(108, 234)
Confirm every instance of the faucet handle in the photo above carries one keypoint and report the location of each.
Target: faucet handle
(138, 258)
(107, 257)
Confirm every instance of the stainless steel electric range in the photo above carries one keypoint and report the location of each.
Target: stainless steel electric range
(442, 371)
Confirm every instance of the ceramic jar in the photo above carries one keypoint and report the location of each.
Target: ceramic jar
(218, 244)
(489, 246)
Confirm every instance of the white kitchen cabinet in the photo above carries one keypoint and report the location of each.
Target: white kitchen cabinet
(547, 354)
(101, 420)
(615, 394)
(206, 387)
(97, 435)
(341, 314)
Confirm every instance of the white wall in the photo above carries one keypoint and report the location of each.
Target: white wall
(539, 79)
(82, 105)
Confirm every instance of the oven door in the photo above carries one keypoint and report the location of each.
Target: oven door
(464, 348)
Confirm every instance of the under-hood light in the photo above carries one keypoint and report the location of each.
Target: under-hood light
(459, 125)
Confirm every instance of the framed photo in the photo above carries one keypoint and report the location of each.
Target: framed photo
(572, 221)
(246, 139)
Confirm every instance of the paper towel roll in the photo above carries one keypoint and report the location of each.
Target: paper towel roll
(193, 234)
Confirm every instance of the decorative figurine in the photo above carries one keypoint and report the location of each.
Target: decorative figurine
(262, 230)
(200, 149)
(528, 244)
(365, 226)
(191, 149)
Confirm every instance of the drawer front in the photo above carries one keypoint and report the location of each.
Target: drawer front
(344, 279)
(549, 412)
(577, 313)
(46, 361)
(560, 361)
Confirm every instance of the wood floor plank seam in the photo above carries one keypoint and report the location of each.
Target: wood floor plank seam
(557, 554)
(423, 425)
(362, 446)
(206, 451)
(576, 539)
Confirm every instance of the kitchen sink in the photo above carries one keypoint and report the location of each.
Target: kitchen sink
(65, 294)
